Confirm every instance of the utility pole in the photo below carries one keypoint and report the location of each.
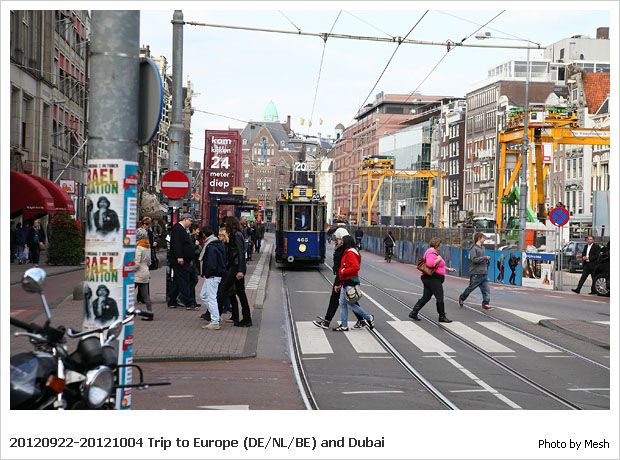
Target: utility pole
(112, 177)
(524, 159)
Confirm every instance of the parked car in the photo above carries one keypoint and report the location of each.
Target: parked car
(571, 255)
(601, 273)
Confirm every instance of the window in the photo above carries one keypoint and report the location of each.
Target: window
(561, 54)
(580, 174)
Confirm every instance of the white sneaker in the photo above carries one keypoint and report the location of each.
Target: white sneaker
(212, 327)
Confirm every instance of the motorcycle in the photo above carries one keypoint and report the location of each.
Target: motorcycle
(601, 273)
(51, 377)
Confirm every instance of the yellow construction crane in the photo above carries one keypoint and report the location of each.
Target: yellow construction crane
(374, 171)
(554, 126)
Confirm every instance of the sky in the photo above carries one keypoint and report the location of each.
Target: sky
(236, 73)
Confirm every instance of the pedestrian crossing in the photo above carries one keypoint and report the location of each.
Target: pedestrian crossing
(484, 334)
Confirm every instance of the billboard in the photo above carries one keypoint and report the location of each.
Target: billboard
(222, 165)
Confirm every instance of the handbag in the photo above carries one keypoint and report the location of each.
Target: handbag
(425, 269)
(353, 294)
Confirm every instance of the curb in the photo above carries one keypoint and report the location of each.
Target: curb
(550, 324)
(185, 358)
(261, 292)
(62, 272)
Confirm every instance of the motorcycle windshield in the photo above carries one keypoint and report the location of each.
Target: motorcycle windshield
(24, 371)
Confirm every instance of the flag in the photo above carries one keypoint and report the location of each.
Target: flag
(309, 123)
(320, 121)
(301, 121)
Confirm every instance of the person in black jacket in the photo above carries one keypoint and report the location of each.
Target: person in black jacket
(213, 260)
(235, 274)
(590, 257)
(334, 299)
(182, 255)
(35, 241)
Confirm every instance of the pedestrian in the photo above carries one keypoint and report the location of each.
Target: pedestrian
(196, 236)
(349, 277)
(213, 261)
(182, 255)
(334, 298)
(389, 243)
(235, 274)
(143, 274)
(359, 234)
(21, 238)
(589, 255)
(433, 284)
(260, 234)
(478, 273)
(224, 304)
(35, 241)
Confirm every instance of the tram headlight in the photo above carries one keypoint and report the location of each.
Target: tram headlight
(302, 248)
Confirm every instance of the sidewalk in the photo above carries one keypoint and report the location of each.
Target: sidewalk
(596, 334)
(176, 334)
(17, 270)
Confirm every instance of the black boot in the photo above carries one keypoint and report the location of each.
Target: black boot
(414, 314)
(442, 313)
(444, 319)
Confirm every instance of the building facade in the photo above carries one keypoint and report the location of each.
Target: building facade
(48, 96)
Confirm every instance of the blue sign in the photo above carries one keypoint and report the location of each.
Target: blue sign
(559, 216)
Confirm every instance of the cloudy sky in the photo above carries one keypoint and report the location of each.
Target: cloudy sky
(236, 73)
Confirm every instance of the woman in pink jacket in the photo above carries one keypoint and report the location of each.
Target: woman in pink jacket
(433, 285)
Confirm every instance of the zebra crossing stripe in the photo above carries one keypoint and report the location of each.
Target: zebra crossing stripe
(426, 342)
(312, 339)
(471, 335)
(519, 338)
(526, 315)
(364, 342)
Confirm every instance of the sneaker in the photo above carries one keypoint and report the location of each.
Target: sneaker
(461, 302)
(487, 308)
(322, 323)
(370, 322)
(172, 305)
(193, 307)
(212, 327)
(359, 324)
(341, 329)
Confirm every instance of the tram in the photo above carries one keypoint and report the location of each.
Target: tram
(300, 230)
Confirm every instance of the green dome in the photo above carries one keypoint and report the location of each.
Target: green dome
(271, 113)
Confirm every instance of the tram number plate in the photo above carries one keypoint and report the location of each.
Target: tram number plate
(303, 240)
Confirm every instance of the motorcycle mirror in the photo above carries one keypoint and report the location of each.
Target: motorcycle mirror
(33, 280)
(115, 329)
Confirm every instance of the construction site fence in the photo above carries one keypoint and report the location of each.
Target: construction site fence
(540, 265)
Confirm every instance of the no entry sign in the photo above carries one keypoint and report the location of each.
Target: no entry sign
(174, 184)
(559, 216)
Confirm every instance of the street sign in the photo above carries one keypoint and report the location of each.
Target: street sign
(175, 184)
(151, 101)
(559, 216)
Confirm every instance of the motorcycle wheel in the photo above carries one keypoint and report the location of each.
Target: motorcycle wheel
(601, 286)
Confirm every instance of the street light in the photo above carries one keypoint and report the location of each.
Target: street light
(524, 141)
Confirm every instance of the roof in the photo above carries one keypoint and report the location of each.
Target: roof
(604, 109)
(271, 112)
(339, 126)
(276, 130)
(595, 89)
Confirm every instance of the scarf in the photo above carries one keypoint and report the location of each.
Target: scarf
(143, 244)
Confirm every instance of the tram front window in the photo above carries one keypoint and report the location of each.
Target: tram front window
(303, 220)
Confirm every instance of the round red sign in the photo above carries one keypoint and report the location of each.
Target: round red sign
(174, 184)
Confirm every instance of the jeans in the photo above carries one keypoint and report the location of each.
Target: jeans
(208, 297)
(344, 309)
(334, 302)
(480, 281)
(433, 286)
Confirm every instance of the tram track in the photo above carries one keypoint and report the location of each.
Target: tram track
(509, 369)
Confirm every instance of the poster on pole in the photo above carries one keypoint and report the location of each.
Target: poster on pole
(537, 270)
(111, 217)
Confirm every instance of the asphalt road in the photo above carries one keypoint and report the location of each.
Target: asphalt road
(352, 370)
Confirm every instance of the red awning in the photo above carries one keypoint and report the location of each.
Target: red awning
(29, 198)
(62, 200)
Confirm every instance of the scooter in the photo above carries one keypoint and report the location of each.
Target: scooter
(50, 377)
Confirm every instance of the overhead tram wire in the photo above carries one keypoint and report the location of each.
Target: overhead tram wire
(318, 78)
(325, 35)
(289, 20)
(477, 24)
(390, 60)
(368, 23)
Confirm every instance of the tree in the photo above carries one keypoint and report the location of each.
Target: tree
(66, 241)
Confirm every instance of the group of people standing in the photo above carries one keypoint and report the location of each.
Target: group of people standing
(253, 234)
(27, 242)
(220, 260)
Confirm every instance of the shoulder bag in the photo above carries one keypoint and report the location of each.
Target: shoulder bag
(353, 293)
(425, 269)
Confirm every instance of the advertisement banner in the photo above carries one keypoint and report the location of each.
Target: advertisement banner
(537, 270)
(111, 217)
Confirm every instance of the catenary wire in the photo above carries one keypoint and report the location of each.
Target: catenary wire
(289, 20)
(477, 24)
(368, 23)
(318, 78)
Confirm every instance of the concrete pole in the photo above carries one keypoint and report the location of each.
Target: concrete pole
(525, 159)
(112, 174)
(176, 145)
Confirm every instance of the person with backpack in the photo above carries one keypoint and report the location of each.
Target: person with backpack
(389, 242)
(213, 267)
(349, 280)
(433, 282)
(142, 273)
(478, 272)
